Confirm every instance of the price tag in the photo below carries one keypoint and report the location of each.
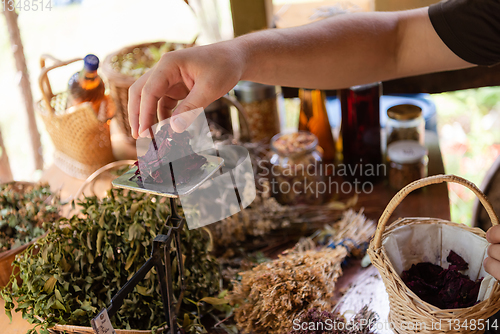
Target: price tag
(101, 324)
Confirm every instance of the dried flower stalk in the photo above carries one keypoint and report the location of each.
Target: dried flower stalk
(272, 294)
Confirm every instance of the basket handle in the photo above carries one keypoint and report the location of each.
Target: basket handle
(43, 79)
(398, 198)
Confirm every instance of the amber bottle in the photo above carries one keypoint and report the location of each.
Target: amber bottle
(314, 118)
(87, 85)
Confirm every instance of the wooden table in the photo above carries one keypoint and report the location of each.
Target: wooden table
(368, 289)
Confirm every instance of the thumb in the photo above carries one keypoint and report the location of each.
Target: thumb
(188, 110)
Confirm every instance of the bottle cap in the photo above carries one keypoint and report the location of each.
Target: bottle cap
(91, 62)
(404, 112)
(406, 152)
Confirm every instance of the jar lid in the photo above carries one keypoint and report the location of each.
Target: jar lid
(365, 87)
(406, 151)
(294, 143)
(248, 91)
(404, 112)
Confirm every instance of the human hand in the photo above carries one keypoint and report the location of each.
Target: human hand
(492, 262)
(197, 75)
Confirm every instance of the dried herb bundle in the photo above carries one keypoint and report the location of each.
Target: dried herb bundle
(74, 271)
(315, 321)
(265, 214)
(273, 293)
(23, 209)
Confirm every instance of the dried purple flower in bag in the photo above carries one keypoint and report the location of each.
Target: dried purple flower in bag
(444, 288)
(155, 163)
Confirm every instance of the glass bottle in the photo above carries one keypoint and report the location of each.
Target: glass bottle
(87, 85)
(313, 118)
(360, 130)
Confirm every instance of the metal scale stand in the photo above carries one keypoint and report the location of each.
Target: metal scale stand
(162, 242)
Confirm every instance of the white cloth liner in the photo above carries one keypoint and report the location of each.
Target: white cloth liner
(411, 244)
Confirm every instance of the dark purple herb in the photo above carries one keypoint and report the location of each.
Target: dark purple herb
(444, 288)
(154, 163)
(457, 263)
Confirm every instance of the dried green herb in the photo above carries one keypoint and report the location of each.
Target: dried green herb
(23, 209)
(73, 272)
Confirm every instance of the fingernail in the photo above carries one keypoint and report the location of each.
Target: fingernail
(180, 123)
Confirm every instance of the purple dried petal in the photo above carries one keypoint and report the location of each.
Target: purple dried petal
(444, 288)
(457, 261)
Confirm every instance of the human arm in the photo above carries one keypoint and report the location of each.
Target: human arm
(329, 54)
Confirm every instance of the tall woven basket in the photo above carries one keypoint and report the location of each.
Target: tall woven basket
(81, 138)
(119, 83)
(405, 306)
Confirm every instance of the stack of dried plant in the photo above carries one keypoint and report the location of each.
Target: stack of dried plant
(274, 293)
(265, 214)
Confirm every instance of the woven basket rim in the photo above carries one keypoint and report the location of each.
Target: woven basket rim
(392, 274)
(85, 329)
(122, 80)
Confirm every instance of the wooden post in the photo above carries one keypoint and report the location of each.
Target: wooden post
(24, 84)
(251, 15)
(5, 171)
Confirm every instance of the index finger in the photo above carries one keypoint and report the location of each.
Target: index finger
(158, 83)
(134, 102)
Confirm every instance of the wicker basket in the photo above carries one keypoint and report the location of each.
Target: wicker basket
(6, 260)
(406, 306)
(120, 83)
(7, 257)
(66, 329)
(81, 138)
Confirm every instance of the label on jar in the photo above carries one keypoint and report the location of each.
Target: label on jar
(406, 151)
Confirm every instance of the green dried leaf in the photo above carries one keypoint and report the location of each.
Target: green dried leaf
(50, 284)
(215, 301)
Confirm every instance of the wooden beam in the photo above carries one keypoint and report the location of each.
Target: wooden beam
(475, 77)
(24, 84)
(393, 5)
(5, 171)
(251, 15)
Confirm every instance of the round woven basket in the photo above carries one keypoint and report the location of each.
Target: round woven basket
(8, 256)
(66, 329)
(406, 306)
(80, 136)
(119, 83)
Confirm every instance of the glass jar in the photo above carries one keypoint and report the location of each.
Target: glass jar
(405, 122)
(407, 161)
(296, 175)
(261, 107)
